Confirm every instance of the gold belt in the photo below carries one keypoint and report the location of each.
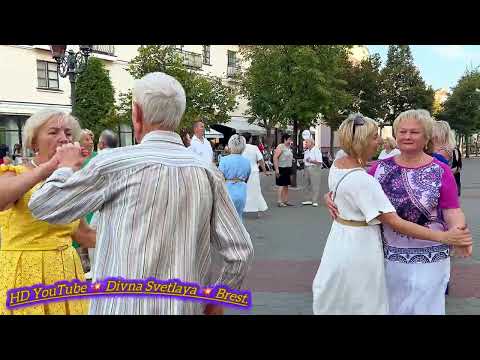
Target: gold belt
(351, 222)
(235, 180)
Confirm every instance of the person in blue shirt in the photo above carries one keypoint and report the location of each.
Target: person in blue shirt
(236, 170)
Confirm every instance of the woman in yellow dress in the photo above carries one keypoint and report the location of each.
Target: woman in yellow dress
(33, 251)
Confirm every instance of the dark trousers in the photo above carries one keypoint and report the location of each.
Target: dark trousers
(457, 180)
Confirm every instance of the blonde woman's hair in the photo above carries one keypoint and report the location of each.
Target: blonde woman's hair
(37, 120)
(442, 135)
(424, 118)
(357, 146)
(236, 144)
(87, 132)
(391, 142)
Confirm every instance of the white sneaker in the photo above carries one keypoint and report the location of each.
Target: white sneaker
(315, 204)
(88, 275)
(307, 203)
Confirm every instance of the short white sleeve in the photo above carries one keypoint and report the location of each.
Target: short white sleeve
(368, 195)
(259, 154)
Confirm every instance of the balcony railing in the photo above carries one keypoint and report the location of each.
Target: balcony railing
(233, 70)
(104, 49)
(191, 59)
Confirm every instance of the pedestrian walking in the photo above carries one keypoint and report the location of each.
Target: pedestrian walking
(255, 201)
(236, 171)
(313, 161)
(282, 161)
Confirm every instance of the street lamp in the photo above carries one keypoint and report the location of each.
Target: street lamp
(71, 63)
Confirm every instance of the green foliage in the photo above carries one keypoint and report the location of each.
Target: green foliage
(94, 100)
(402, 86)
(365, 86)
(292, 85)
(462, 108)
(207, 97)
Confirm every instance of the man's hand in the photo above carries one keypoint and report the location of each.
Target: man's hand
(211, 309)
(332, 208)
(71, 155)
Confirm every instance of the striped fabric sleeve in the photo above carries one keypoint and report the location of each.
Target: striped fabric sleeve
(229, 238)
(67, 196)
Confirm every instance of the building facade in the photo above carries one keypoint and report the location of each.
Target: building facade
(30, 81)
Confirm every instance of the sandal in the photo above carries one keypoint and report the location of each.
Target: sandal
(288, 204)
(281, 204)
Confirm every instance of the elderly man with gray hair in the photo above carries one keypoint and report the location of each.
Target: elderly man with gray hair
(162, 210)
(107, 140)
(313, 172)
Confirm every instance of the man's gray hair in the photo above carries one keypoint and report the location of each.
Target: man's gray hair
(236, 144)
(109, 138)
(161, 98)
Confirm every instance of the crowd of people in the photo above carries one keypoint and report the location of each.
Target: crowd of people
(161, 208)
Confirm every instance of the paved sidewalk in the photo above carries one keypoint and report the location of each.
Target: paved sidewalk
(289, 243)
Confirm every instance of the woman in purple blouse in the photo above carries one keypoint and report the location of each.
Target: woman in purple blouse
(422, 190)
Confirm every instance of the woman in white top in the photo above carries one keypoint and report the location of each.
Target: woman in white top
(351, 276)
(255, 201)
(389, 149)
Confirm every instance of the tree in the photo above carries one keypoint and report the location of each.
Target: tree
(290, 85)
(402, 86)
(365, 86)
(94, 100)
(208, 98)
(462, 108)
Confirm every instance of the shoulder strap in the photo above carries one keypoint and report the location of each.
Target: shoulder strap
(340, 181)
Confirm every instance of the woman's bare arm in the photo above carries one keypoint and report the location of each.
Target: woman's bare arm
(85, 235)
(454, 236)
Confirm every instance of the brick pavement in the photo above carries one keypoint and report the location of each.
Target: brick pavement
(289, 243)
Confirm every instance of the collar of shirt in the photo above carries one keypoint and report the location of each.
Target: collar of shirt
(195, 138)
(160, 135)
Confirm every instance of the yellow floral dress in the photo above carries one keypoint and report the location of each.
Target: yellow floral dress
(34, 252)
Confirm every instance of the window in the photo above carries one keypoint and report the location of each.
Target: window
(232, 58)
(206, 54)
(47, 75)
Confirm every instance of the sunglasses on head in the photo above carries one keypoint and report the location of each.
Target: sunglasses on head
(359, 120)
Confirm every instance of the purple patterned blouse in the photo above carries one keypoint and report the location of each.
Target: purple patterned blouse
(418, 195)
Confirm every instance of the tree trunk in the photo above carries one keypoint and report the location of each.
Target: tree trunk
(332, 134)
(295, 153)
(467, 144)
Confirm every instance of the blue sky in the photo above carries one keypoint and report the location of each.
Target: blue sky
(440, 65)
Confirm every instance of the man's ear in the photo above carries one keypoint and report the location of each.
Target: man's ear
(137, 113)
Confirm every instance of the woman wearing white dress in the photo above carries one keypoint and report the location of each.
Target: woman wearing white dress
(255, 201)
(351, 277)
(389, 149)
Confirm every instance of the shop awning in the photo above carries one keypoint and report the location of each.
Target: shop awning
(241, 125)
(213, 134)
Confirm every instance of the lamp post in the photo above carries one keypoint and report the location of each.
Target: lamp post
(71, 63)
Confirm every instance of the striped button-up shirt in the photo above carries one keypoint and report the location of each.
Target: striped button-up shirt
(161, 211)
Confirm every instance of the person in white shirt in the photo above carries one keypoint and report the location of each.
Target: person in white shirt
(255, 201)
(389, 149)
(313, 172)
(199, 145)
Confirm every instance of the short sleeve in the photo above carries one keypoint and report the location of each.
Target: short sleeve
(259, 154)
(448, 190)
(371, 201)
(373, 168)
(10, 168)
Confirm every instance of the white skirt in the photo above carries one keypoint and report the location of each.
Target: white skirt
(417, 289)
(255, 201)
(351, 277)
